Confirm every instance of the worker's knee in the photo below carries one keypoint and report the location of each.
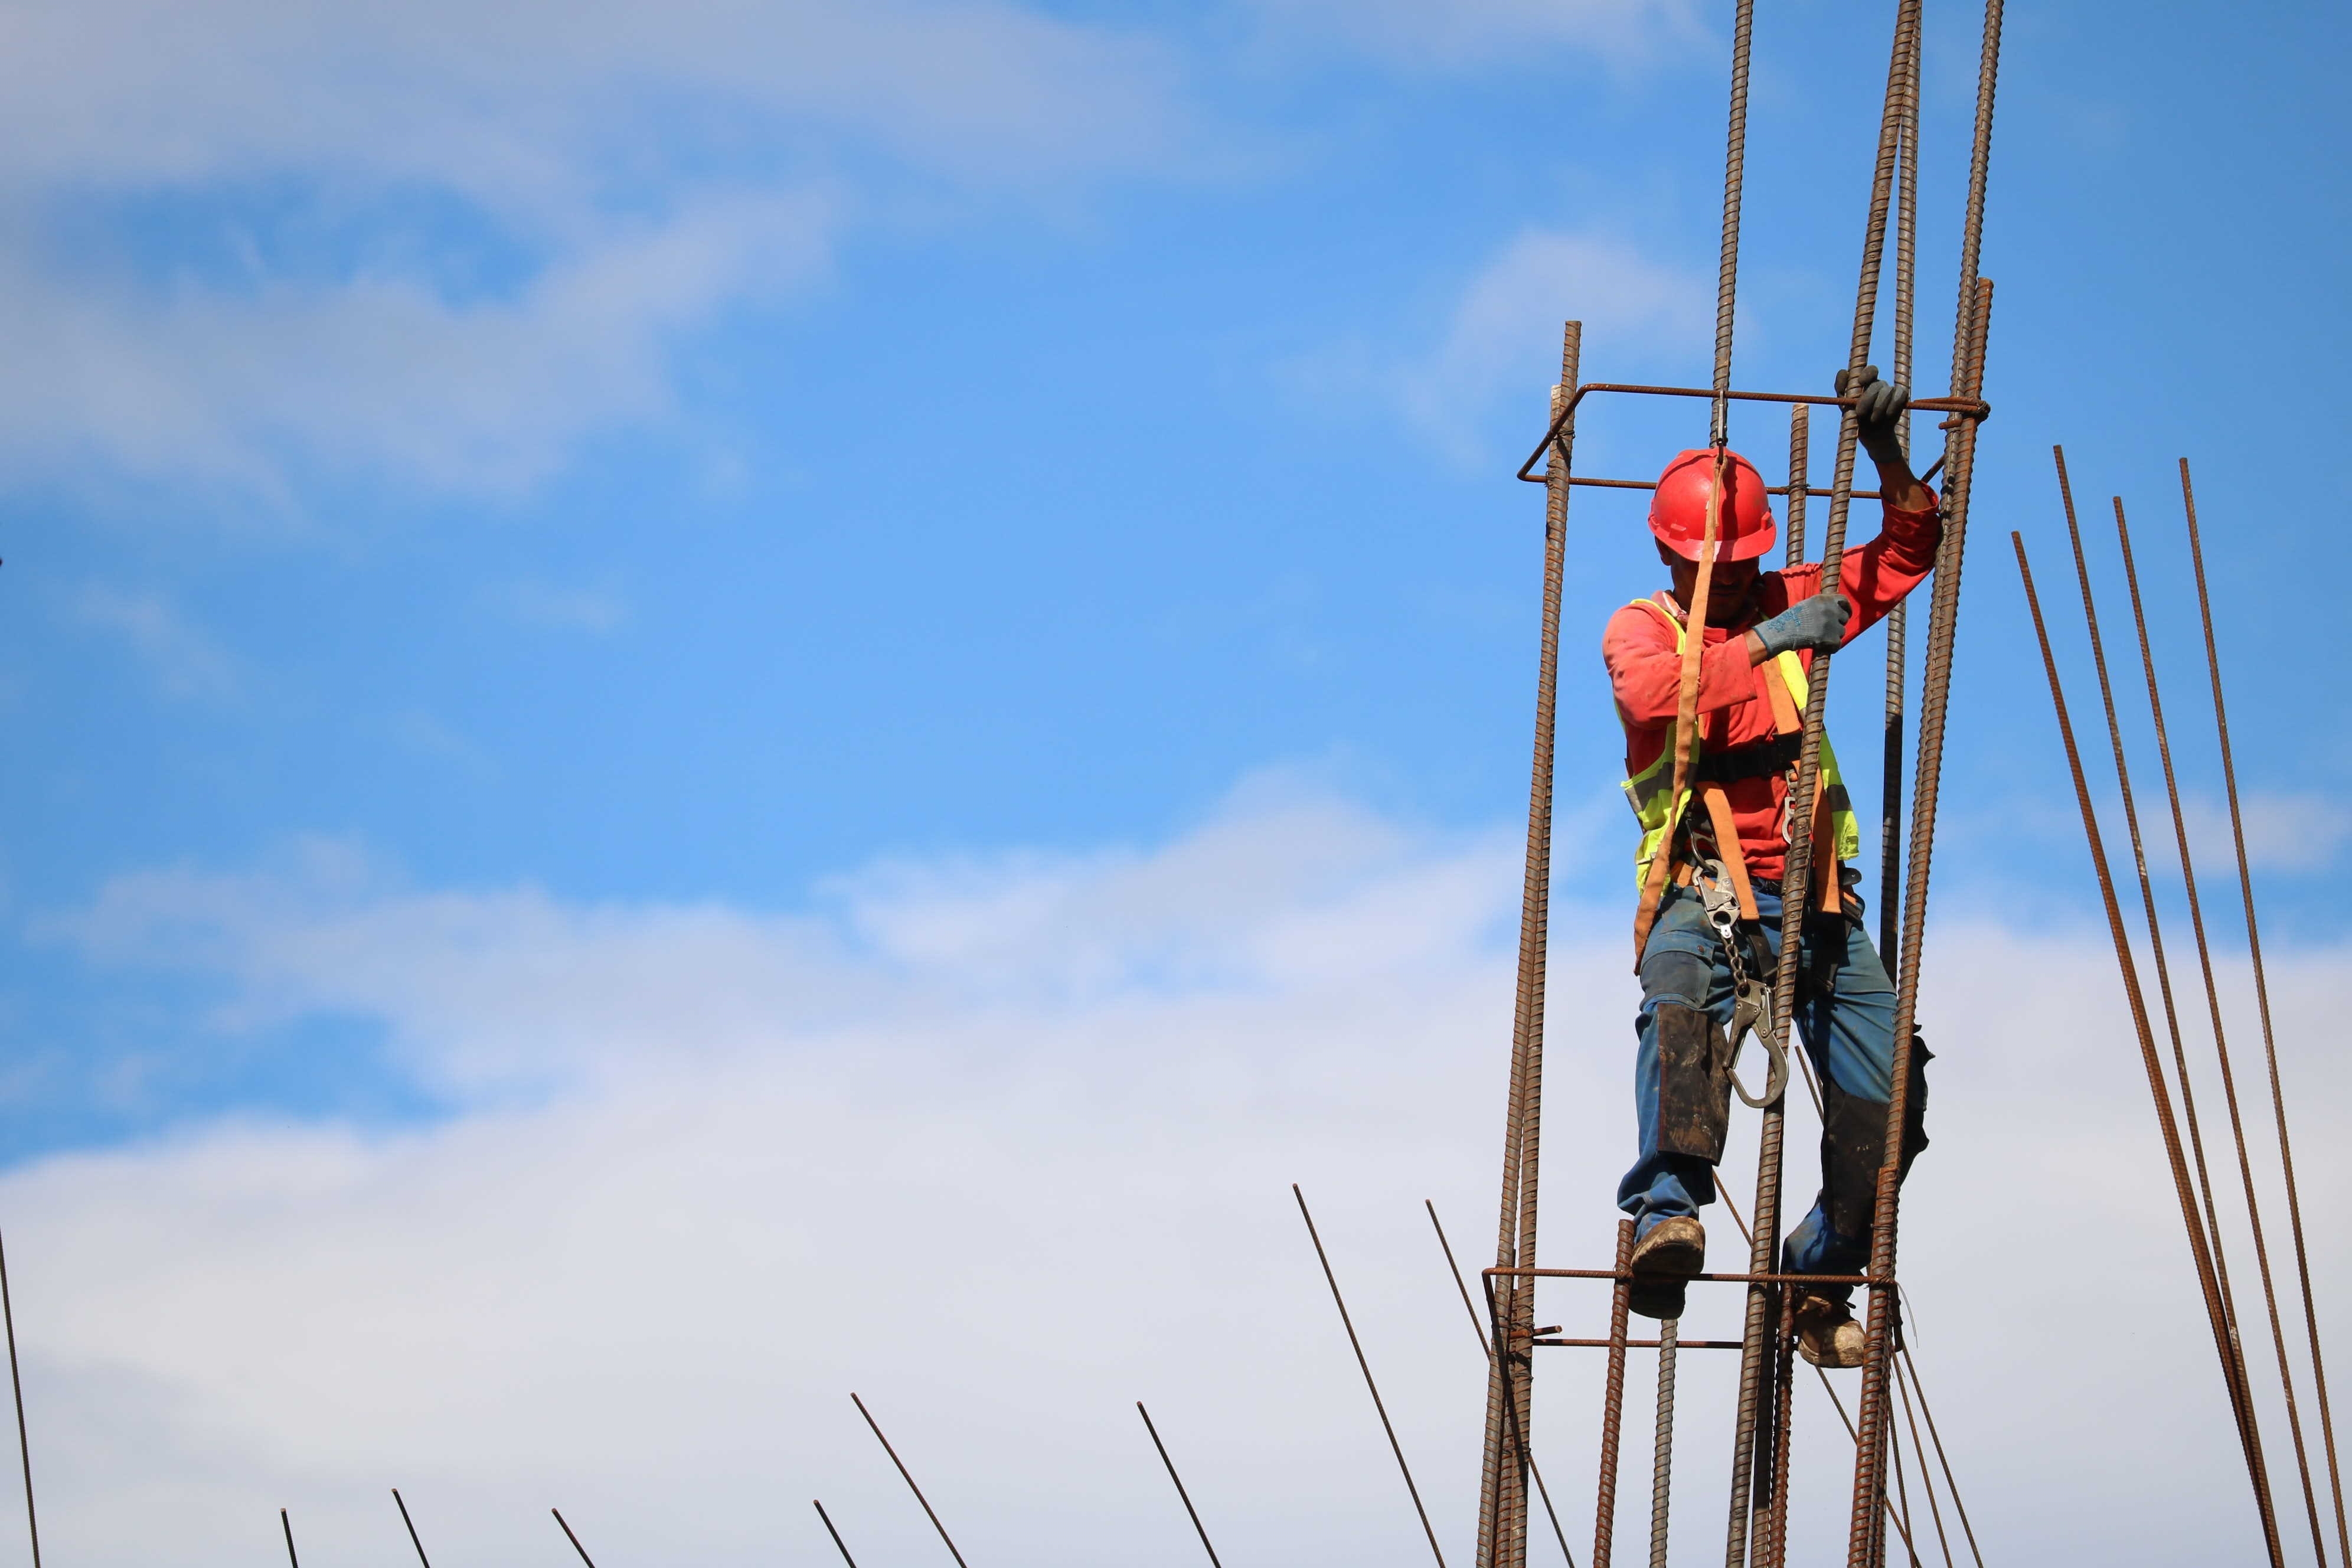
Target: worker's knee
(1671, 974)
(1853, 1145)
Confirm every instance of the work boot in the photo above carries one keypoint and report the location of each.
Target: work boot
(1674, 1251)
(1827, 1334)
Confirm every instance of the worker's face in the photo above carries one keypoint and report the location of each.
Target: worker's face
(1728, 587)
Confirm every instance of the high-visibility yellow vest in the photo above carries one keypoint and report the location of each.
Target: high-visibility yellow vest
(1649, 789)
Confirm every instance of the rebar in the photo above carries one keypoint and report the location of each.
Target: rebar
(2262, 1001)
(1906, 1364)
(1801, 485)
(565, 1526)
(1502, 1514)
(907, 1476)
(403, 1505)
(2221, 1053)
(286, 1525)
(838, 1545)
(1186, 1498)
(16, 1387)
(1927, 1481)
(1612, 1400)
(1358, 1346)
(1890, 813)
(1662, 1464)
(1796, 878)
(2226, 1330)
(2138, 1005)
(1735, 164)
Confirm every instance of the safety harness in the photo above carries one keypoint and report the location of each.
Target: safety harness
(1720, 879)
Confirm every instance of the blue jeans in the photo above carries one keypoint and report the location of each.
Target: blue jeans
(1845, 1016)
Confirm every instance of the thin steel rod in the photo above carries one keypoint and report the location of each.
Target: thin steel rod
(403, 1504)
(1680, 1345)
(1926, 1480)
(1735, 164)
(1906, 1364)
(1487, 1349)
(1612, 1401)
(838, 1545)
(2262, 1000)
(566, 1527)
(1901, 1492)
(1796, 496)
(1801, 483)
(1906, 250)
(909, 1478)
(2154, 1069)
(286, 1525)
(1502, 1512)
(2221, 1053)
(2227, 1331)
(1838, 1406)
(1662, 1461)
(1798, 893)
(1764, 1278)
(1186, 1498)
(1357, 1345)
(16, 1387)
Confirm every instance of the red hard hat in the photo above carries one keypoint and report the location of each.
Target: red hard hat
(1678, 510)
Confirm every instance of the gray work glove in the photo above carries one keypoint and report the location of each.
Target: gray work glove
(1880, 409)
(1818, 622)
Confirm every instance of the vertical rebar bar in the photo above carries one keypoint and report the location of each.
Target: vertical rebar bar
(2138, 1003)
(1662, 1462)
(1502, 1511)
(1612, 1401)
(1801, 458)
(1890, 812)
(1735, 162)
(2262, 1001)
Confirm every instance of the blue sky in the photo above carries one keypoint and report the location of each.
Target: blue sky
(579, 466)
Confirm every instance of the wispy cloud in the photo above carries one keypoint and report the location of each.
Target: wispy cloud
(1503, 332)
(568, 609)
(442, 243)
(1003, 1144)
(183, 659)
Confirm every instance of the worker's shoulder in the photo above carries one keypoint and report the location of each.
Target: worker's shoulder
(1643, 620)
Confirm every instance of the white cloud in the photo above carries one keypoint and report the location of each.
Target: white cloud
(1004, 1146)
(1503, 333)
(636, 172)
(186, 662)
(568, 609)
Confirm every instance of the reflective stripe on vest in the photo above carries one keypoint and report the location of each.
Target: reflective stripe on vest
(1647, 790)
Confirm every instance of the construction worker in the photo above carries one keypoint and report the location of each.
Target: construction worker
(1709, 937)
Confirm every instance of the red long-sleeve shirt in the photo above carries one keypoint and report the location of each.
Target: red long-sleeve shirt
(1645, 671)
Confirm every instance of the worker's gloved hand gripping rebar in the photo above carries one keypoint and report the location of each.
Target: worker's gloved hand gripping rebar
(1818, 622)
(1879, 407)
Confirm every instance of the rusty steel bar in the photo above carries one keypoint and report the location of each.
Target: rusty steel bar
(2227, 1328)
(288, 1525)
(2139, 1004)
(1735, 165)
(403, 1504)
(568, 1535)
(838, 1545)
(1662, 1460)
(1890, 829)
(909, 1478)
(1800, 478)
(16, 1387)
(2262, 1001)
(1904, 1363)
(1502, 1508)
(1838, 1406)
(2221, 1052)
(1961, 409)
(1186, 1498)
(1798, 893)
(1776, 1527)
(1794, 496)
(1487, 1349)
(1680, 1345)
(1612, 1399)
(1357, 1345)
